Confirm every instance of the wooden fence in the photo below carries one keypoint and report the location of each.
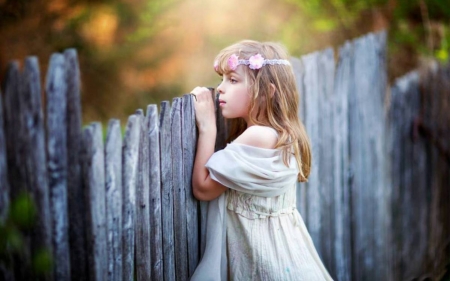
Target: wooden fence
(376, 204)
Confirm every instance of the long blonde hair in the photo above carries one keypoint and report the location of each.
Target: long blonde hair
(278, 110)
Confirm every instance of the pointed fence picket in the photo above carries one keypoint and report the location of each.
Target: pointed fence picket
(376, 203)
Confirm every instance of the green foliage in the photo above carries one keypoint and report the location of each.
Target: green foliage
(21, 218)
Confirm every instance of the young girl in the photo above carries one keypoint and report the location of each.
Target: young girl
(254, 231)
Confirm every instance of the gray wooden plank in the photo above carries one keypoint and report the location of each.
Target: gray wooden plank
(311, 94)
(142, 223)
(326, 159)
(167, 192)
(4, 184)
(341, 192)
(179, 195)
(366, 128)
(130, 160)
(189, 143)
(94, 182)
(77, 227)
(34, 152)
(156, 240)
(113, 186)
(56, 127)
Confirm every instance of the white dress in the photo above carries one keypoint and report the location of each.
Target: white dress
(254, 231)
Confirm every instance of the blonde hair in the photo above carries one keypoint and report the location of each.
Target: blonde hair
(278, 109)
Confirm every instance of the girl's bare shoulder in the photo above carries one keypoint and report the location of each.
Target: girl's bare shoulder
(258, 136)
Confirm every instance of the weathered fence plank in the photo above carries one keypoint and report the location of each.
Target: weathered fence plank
(4, 184)
(179, 195)
(189, 142)
(35, 171)
(366, 132)
(156, 240)
(57, 163)
(76, 202)
(94, 182)
(130, 160)
(167, 192)
(113, 186)
(143, 258)
(341, 192)
(311, 93)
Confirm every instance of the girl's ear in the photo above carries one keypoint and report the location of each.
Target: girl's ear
(272, 90)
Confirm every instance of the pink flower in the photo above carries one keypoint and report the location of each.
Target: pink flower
(233, 62)
(256, 61)
(216, 65)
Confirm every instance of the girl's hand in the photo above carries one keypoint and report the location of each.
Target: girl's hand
(204, 109)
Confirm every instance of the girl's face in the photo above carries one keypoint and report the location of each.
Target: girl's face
(234, 98)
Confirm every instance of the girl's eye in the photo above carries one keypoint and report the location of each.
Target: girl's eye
(233, 80)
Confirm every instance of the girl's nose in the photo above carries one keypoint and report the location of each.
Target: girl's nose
(220, 88)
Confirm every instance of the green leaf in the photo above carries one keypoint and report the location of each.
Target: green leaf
(324, 25)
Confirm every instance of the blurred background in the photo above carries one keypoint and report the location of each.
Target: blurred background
(136, 52)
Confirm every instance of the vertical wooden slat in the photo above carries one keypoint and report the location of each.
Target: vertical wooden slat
(311, 95)
(179, 196)
(113, 185)
(77, 226)
(326, 69)
(4, 184)
(167, 192)
(189, 142)
(129, 176)
(156, 238)
(142, 228)
(366, 131)
(34, 151)
(341, 192)
(94, 182)
(57, 163)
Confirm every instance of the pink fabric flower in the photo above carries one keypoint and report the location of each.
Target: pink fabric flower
(256, 61)
(233, 62)
(216, 65)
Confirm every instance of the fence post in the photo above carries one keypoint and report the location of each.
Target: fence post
(57, 163)
(129, 177)
(167, 192)
(179, 195)
(94, 182)
(142, 228)
(113, 186)
(189, 143)
(76, 202)
(156, 242)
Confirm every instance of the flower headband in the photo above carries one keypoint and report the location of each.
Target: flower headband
(254, 62)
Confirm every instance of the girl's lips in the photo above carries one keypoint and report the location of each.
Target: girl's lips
(221, 102)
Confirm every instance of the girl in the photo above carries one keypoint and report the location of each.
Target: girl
(254, 231)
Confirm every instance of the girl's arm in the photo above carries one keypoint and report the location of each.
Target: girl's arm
(205, 188)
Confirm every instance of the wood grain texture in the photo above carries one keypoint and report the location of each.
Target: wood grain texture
(156, 238)
(179, 193)
(142, 223)
(77, 226)
(56, 127)
(94, 182)
(113, 186)
(189, 143)
(167, 192)
(130, 158)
